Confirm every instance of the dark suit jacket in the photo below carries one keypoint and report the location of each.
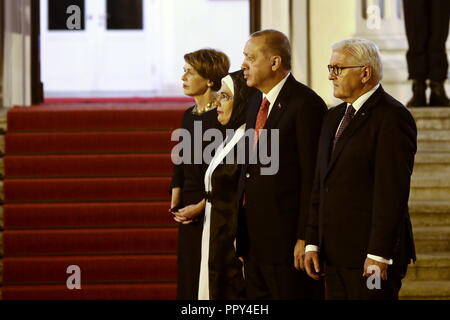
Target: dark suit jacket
(276, 206)
(359, 202)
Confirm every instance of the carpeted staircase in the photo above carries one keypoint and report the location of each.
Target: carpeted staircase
(429, 205)
(87, 185)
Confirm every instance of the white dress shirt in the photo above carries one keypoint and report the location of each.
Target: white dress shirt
(272, 95)
(357, 105)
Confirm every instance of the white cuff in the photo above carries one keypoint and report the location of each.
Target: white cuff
(380, 259)
(311, 247)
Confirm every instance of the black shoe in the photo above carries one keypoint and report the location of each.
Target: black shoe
(438, 98)
(418, 99)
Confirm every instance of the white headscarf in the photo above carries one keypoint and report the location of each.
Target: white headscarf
(229, 82)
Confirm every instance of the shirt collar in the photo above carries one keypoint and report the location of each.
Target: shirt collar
(362, 99)
(272, 95)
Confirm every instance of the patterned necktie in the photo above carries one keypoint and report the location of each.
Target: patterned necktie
(349, 113)
(261, 119)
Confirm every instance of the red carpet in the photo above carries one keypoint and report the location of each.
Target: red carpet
(89, 241)
(88, 142)
(130, 268)
(92, 165)
(82, 215)
(116, 291)
(87, 185)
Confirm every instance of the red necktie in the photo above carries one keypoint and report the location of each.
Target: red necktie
(260, 122)
(261, 119)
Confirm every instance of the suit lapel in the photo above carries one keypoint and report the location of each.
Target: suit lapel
(361, 116)
(280, 104)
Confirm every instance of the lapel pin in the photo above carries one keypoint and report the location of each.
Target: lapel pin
(279, 105)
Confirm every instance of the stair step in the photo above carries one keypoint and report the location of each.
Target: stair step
(430, 112)
(433, 146)
(89, 241)
(88, 142)
(91, 116)
(433, 135)
(115, 291)
(94, 269)
(435, 266)
(425, 290)
(433, 140)
(87, 165)
(432, 239)
(430, 187)
(431, 118)
(86, 215)
(81, 190)
(432, 163)
(3, 115)
(430, 213)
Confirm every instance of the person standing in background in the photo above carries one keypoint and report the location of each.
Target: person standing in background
(427, 25)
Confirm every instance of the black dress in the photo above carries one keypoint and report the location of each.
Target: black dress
(226, 280)
(221, 276)
(190, 178)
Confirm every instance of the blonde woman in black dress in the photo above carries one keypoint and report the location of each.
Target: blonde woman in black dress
(203, 71)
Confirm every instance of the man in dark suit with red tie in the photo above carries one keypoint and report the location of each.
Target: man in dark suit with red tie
(276, 205)
(359, 231)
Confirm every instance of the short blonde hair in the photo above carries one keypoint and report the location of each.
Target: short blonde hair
(365, 52)
(211, 64)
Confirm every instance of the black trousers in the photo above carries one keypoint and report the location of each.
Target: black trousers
(280, 282)
(427, 24)
(349, 284)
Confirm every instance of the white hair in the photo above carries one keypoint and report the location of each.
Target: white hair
(365, 52)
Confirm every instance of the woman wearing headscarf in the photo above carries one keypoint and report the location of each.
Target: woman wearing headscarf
(221, 275)
(203, 71)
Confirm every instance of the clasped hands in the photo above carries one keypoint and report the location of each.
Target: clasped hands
(189, 213)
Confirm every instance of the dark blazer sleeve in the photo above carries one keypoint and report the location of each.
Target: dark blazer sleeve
(312, 224)
(177, 169)
(177, 176)
(308, 126)
(312, 227)
(394, 159)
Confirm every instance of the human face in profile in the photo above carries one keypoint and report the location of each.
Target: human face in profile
(257, 64)
(193, 83)
(348, 85)
(224, 104)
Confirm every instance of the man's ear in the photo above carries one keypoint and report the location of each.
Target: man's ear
(366, 74)
(275, 62)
